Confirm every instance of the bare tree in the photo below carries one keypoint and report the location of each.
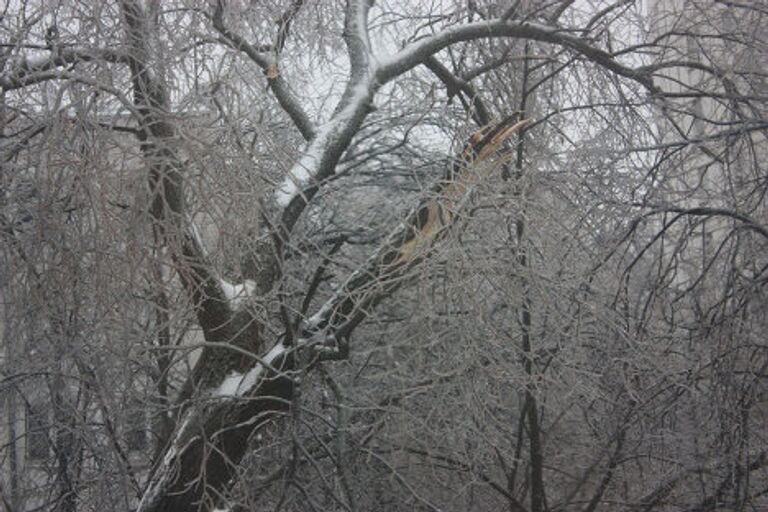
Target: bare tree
(319, 301)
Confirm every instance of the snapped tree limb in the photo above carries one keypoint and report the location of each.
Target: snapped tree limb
(210, 442)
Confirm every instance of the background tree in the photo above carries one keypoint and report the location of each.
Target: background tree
(252, 261)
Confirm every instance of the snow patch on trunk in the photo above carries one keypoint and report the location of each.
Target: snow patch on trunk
(236, 294)
(237, 384)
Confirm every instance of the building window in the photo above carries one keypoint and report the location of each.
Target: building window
(136, 426)
(37, 425)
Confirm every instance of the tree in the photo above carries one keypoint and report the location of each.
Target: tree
(567, 288)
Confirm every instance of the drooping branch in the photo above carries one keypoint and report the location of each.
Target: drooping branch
(707, 211)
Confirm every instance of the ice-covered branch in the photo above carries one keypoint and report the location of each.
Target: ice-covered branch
(412, 241)
(416, 52)
(706, 211)
(22, 71)
(456, 85)
(269, 65)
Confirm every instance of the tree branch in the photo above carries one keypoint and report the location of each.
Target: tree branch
(415, 53)
(705, 211)
(219, 322)
(209, 444)
(269, 65)
(23, 71)
(332, 140)
(455, 85)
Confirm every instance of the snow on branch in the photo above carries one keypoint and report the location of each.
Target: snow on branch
(319, 157)
(237, 294)
(237, 384)
(300, 175)
(173, 486)
(332, 139)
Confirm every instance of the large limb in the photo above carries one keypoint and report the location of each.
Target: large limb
(418, 51)
(219, 321)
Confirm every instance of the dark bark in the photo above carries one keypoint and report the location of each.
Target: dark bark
(166, 176)
(65, 446)
(212, 443)
(530, 407)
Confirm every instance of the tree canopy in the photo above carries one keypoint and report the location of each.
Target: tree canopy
(358, 255)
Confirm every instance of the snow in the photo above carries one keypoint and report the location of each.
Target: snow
(236, 294)
(236, 384)
(300, 174)
(318, 317)
(250, 379)
(230, 385)
(197, 237)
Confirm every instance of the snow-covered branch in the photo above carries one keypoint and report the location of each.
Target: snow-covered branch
(215, 430)
(333, 138)
(323, 152)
